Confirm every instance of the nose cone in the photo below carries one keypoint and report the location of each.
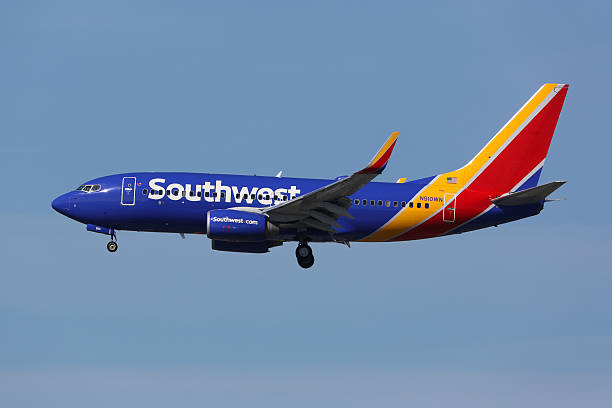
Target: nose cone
(60, 204)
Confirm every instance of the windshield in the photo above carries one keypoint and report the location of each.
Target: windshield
(88, 188)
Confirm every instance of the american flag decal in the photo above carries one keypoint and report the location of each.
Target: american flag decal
(451, 180)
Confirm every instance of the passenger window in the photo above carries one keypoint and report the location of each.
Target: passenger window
(418, 205)
(259, 197)
(285, 198)
(403, 203)
(380, 202)
(207, 194)
(395, 203)
(167, 192)
(144, 191)
(199, 194)
(411, 204)
(356, 201)
(426, 205)
(364, 202)
(372, 203)
(388, 203)
(215, 194)
(252, 196)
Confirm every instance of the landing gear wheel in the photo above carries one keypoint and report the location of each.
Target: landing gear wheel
(304, 255)
(306, 262)
(303, 250)
(112, 246)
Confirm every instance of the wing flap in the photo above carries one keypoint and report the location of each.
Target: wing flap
(311, 222)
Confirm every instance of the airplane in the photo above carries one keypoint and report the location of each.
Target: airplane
(253, 214)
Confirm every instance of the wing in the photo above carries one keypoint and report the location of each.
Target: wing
(321, 208)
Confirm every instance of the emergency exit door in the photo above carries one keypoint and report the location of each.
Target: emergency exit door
(128, 191)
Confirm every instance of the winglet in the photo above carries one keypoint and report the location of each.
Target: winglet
(379, 162)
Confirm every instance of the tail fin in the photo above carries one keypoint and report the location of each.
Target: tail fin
(511, 161)
(513, 158)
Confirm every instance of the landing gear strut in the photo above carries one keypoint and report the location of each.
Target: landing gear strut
(112, 245)
(304, 255)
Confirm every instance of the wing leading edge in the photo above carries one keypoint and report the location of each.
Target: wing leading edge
(321, 208)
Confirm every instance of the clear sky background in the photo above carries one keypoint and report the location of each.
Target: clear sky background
(511, 316)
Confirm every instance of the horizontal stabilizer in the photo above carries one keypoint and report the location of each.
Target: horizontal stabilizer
(533, 195)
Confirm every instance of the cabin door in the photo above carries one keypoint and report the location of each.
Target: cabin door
(128, 191)
(450, 202)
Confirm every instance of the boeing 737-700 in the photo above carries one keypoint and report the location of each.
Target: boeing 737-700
(253, 213)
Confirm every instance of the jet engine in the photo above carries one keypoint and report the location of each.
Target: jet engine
(239, 226)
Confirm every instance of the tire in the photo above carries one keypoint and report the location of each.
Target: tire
(112, 246)
(306, 262)
(303, 251)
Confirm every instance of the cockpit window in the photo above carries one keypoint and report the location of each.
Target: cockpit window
(89, 188)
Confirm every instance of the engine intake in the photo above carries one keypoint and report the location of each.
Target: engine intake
(239, 226)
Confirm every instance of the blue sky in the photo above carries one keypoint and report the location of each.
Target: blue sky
(517, 315)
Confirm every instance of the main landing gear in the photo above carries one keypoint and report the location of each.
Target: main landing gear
(304, 255)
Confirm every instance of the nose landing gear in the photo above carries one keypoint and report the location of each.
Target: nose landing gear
(304, 255)
(112, 245)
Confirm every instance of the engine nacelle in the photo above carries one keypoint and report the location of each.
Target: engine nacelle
(260, 247)
(239, 226)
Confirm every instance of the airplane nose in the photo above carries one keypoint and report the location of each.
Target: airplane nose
(60, 204)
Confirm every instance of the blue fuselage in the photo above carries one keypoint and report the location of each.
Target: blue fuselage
(179, 202)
